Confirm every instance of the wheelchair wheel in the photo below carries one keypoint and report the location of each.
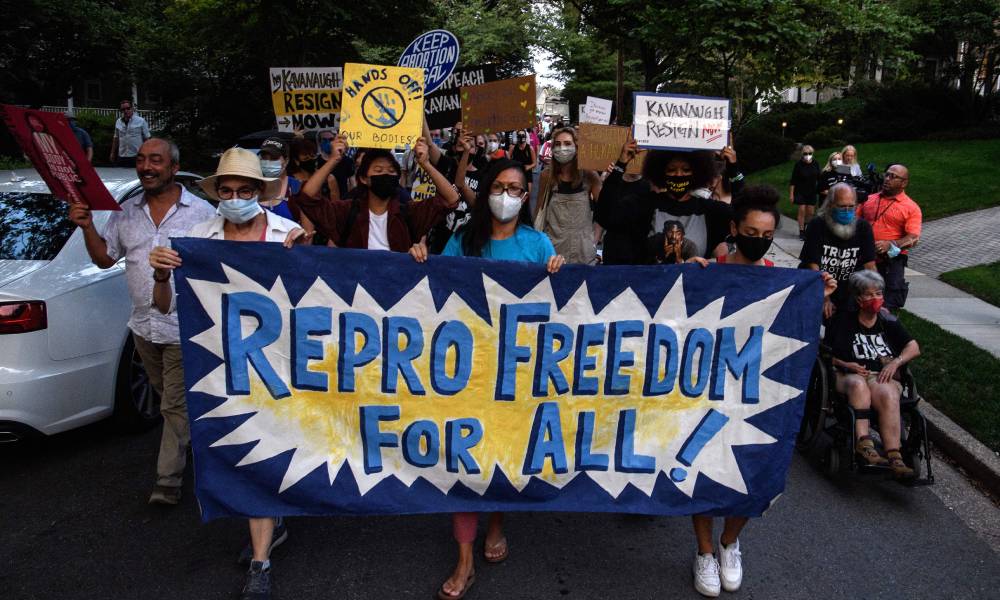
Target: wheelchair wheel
(838, 459)
(814, 415)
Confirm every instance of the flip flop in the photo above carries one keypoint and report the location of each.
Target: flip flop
(443, 595)
(497, 559)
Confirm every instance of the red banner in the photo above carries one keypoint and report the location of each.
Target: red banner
(48, 141)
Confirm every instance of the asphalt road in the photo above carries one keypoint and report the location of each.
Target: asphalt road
(76, 524)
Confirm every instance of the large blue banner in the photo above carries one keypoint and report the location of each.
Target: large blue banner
(327, 381)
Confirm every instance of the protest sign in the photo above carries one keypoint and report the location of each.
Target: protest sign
(383, 106)
(49, 143)
(680, 122)
(444, 107)
(601, 145)
(597, 110)
(503, 105)
(423, 186)
(436, 52)
(333, 381)
(306, 98)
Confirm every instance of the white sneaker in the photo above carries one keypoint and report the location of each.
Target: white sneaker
(706, 575)
(731, 565)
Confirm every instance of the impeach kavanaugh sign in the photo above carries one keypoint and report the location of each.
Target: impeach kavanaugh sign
(332, 381)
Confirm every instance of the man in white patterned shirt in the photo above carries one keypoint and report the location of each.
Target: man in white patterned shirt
(164, 209)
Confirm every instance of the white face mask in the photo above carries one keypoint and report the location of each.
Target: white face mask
(836, 162)
(564, 154)
(505, 207)
(493, 146)
(807, 158)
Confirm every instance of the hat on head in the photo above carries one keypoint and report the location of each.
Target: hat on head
(274, 147)
(239, 162)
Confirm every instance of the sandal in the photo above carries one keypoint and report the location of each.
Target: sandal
(443, 595)
(899, 468)
(865, 448)
(498, 558)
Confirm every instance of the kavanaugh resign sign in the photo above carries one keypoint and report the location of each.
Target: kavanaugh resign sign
(331, 381)
(306, 98)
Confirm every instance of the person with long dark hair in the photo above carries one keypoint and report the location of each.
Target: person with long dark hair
(374, 218)
(755, 219)
(500, 228)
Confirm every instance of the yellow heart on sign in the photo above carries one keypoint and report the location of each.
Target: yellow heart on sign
(524, 103)
(524, 87)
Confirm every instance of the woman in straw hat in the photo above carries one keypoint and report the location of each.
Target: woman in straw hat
(237, 185)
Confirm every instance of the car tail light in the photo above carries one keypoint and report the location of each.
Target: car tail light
(22, 317)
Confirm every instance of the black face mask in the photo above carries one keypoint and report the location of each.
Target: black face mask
(752, 248)
(677, 185)
(384, 186)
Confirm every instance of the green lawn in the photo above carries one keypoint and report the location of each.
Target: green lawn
(982, 281)
(958, 378)
(945, 177)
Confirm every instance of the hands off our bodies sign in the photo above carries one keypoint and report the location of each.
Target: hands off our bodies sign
(680, 122)
(362, 382)
(383, 107)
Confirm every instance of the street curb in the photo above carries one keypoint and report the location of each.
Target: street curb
(973, 456)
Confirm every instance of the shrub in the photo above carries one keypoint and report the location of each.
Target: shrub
(101, 130)
(827, 136)
(759, 149)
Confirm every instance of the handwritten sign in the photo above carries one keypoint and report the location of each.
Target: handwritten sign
(600, 145)
(679, 122)
(503, 105)
(306, 98)
(596, 110)
(436, 52)
(423, 186)
(333, 381)
(383, 106)
(48, 142)
(444, 107)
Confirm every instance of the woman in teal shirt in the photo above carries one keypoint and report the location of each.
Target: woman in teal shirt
(500, 228)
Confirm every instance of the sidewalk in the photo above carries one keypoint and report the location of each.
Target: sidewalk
(949, 308)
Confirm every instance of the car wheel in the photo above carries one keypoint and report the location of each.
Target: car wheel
(137, 405)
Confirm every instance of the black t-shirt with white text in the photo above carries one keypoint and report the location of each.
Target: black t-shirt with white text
(870, 347)
(837, 256)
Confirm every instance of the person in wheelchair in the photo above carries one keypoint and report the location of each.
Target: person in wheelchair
(869, 347)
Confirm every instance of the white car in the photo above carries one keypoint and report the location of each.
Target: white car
(66, 355)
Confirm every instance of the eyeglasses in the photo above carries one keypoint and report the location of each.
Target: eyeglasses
(807, 154)
(244, 193)
(513, 189)
(891, 176)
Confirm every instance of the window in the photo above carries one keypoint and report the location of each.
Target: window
(32, 226)
(92, 91)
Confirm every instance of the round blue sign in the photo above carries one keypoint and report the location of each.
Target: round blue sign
(436, 52)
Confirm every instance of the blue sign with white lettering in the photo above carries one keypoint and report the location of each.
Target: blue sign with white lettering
(436, 52)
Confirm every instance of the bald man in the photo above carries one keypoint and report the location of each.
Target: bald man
(896, 221)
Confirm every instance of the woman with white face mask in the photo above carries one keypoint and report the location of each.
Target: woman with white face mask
(565, 203)
(499, 229)
(802, 187)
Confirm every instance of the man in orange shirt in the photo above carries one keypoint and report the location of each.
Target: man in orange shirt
(896, 220)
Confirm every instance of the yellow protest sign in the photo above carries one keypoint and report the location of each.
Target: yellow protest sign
(306, 98)
(383, 107)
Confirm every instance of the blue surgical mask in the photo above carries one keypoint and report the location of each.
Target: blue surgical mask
(894, 251)
(270, 168)
(239, 211)
(844, 216)
(326, 146)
